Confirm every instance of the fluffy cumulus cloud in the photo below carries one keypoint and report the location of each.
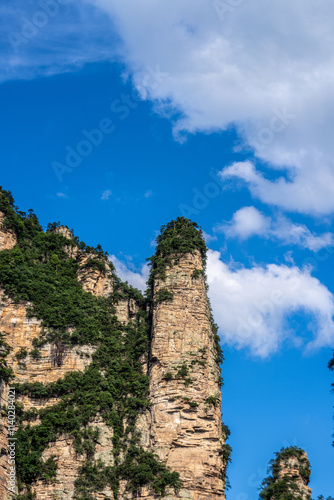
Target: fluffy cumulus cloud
(134, 277)
(252, 306)
(248, 221)
(264, 67)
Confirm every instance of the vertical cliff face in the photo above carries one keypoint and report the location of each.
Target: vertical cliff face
(186, 427)
(7, 237)
(117, 396)
(290, 476)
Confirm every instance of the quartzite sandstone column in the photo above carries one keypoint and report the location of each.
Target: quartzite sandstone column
(290, 476)
(186, 427)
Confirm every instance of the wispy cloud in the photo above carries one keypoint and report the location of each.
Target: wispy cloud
(135, 278)
(248, 222)
(106, 194)
(46, 38)
(62, 195)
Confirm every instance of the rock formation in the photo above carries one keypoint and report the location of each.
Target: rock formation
(186, 429)
(7, 237)
(117, 396)
(290, 476)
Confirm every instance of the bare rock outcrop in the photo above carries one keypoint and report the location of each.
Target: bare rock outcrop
(186, 427)
(95, 275)
(179, 416)
(290, 476)
(7, 237)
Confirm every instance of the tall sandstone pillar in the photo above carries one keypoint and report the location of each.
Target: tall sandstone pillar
(290, 476)
(186, 427)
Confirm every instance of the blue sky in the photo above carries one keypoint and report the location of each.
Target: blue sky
(117, 118)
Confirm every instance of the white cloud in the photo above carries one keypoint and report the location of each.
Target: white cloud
(208, 237)
(60, 38)
(248, 221)
(266, 68)
(148, 194)
(106, 194)
(310, 189)
(62, 195)
(252, 306)
(135, 278)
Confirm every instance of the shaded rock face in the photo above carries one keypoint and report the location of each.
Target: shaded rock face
(69, 462)
(99, 282)
(126, 310)
(290, 476)
(291, 468)
(7, 238)
(71, 249)
(20, 331)
(185, 418)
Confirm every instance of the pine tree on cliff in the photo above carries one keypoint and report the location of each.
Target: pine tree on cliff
(289, 476)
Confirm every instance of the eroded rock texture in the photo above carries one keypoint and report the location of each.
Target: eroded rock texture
(7, 237)
(183, 425)
(53, 363)
(96, 280)
(293, 468)
(290, 476)
(186, 427)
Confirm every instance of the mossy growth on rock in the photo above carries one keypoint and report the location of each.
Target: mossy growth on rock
(6, 373)
(177, 238)
(39, 270)
(290, 473)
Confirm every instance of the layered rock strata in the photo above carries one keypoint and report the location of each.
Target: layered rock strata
(186, 426)
(293, 469)
(290, 476)
(183, 424)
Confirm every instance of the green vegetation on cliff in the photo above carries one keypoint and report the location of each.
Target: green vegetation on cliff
(113, 387)
(177, 238)
(282, 486)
